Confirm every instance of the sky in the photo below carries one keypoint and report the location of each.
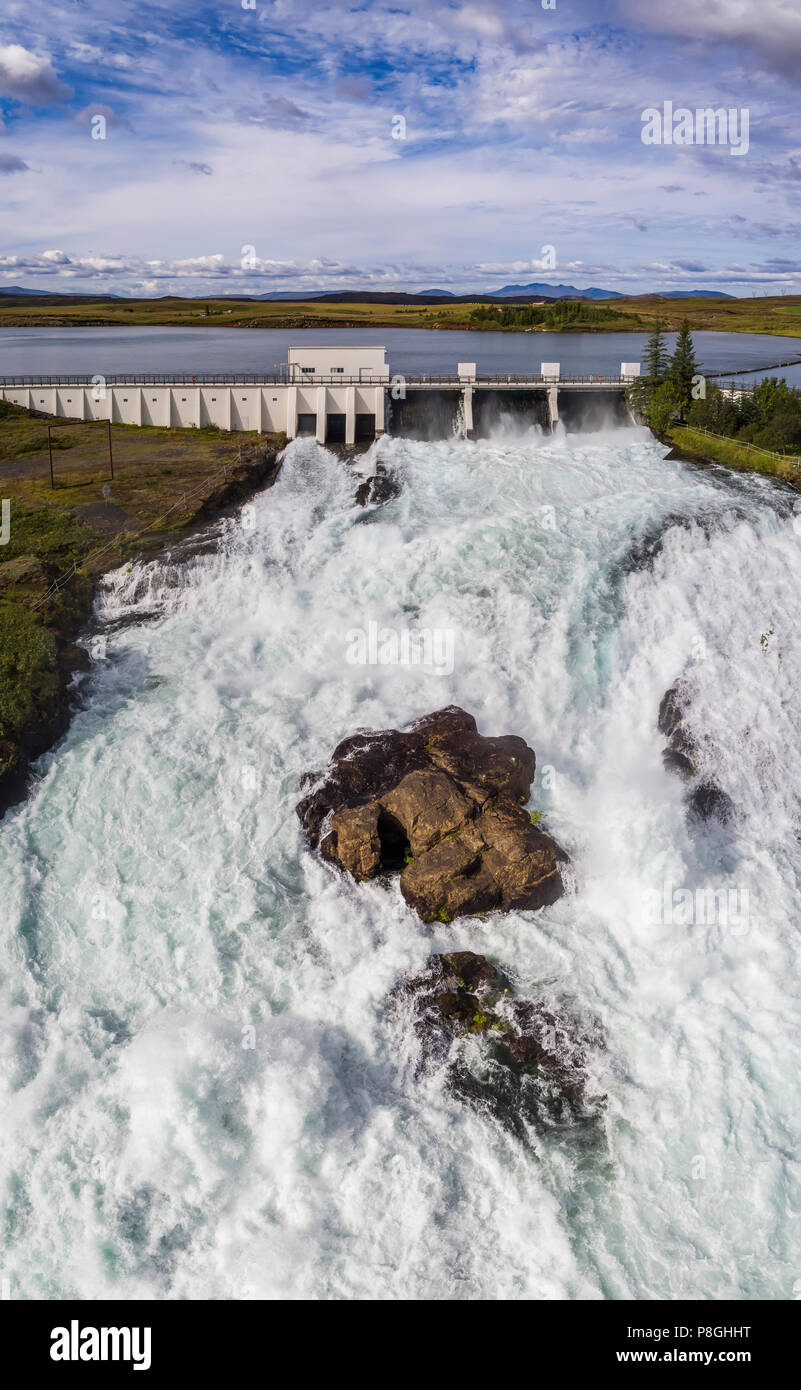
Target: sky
(255, 146)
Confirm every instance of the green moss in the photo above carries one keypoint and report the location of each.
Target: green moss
(443, 915)
(50, 534)
(29, 681)
(536, 816)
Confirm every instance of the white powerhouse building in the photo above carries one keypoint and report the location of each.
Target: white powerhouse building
(336, 394)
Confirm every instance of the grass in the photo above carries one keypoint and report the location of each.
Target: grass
(155, 470)
(21, 434)
(735, 454)
(34, 638)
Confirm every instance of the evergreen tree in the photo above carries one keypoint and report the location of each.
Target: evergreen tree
(683, 366)
(656, 356)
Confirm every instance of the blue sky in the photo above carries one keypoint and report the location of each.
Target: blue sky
(273, 128)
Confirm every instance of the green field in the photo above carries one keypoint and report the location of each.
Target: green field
(778, 315)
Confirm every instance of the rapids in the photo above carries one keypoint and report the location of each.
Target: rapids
(203, 1092)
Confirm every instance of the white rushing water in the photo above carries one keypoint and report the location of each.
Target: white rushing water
(204, 1094)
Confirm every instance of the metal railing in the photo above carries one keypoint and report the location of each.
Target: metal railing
(793, 460)
(251, 379)
(146, 379)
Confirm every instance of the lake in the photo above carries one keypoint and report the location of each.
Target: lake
(116, 351)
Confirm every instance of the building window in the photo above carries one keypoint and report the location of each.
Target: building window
(337, 369)
(307, 369)
(154, 400)
(183, 398)
(214, 400)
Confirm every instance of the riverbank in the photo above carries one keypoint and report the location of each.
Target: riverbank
(167, 486)
(702, 447)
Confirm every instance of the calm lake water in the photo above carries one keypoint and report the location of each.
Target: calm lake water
(115, 351)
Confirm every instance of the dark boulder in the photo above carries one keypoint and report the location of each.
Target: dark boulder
(528, 1065)
(379, 489)
(440, 803)
(710, 803)
(680, 754)
(706, 801)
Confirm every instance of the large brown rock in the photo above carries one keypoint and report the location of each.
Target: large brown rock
(427, 805)
(440, 803)
(353, 840)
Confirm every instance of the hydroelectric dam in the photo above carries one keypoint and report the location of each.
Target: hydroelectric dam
(337, 395)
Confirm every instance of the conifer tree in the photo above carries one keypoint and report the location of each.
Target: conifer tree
(683, 366)
(656, 356)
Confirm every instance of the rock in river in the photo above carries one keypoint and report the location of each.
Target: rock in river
(440, 803)
(707, 801)
(380, 488)
(522, 1062)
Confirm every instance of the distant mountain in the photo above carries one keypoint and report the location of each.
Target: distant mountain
(18, 289)
(523, 293)
(57, 295)
(351, 296)
(274, 294)
(693, 294)
(554, 292)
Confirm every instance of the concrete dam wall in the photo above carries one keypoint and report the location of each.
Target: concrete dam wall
(336, 395)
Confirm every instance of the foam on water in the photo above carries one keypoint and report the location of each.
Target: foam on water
(204, 1094)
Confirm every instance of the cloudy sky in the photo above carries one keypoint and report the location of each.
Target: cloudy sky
(271, 133)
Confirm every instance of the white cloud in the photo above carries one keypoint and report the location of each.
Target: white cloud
(30, 77)
(523, 130)
(770, 29)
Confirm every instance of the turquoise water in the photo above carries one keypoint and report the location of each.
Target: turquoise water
(203, 1092)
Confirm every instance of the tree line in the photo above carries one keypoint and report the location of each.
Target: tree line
(673, 389)
(567, 313)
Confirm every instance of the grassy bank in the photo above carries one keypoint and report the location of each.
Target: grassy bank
(167, 484)
(698, 444)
